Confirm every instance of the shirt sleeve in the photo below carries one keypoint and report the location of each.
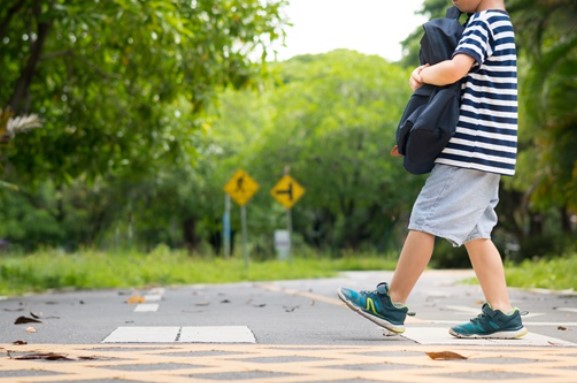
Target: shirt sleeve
(475, 41)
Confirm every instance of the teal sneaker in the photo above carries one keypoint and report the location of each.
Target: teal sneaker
(492, 324)
(377, 307)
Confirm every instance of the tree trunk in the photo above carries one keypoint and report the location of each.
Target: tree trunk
(189, 234)
(8, 17)
(19, 101)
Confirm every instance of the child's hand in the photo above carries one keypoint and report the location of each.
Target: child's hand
(416, 81)
(395, 151)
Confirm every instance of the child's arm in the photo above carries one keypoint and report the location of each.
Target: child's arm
(444, 73)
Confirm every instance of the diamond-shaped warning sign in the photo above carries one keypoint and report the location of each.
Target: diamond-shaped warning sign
(287, 191)
(241, 187)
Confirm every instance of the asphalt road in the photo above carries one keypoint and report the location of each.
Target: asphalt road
(274, 313)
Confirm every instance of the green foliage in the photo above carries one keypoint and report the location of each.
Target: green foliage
(144, 123)
(89, 269)
(332, 125)
(121, 84)
(446, 256)
(548, 40)
(122, 87)
(558, 273)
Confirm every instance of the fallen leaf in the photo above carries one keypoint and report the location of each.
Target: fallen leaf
(135, 299)
(43, 355)
(31, 329)
(19, 342)
(23, 319)
(561, 328)
(445, 355)
(49, 356)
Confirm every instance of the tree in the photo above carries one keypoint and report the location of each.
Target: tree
(110, 75)
(547, 177)
(120, 85)
(332, 123)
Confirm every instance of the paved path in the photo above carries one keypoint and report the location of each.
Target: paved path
(281, 331)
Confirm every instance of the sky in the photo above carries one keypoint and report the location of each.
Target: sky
(367, 26)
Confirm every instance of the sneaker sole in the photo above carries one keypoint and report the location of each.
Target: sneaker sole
(517, 334)
(390, 328)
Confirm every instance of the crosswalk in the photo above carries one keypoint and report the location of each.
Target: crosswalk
(421, 331)
(175, 334)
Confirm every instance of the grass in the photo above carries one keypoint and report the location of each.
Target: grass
(91, 269)
(557, 273)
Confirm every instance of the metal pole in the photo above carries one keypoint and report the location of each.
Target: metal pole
(290, 232)
(244, 235)
(226, 226)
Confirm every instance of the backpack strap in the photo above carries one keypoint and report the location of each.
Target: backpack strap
(453, 13)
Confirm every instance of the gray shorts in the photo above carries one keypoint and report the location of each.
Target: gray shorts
(457, 204)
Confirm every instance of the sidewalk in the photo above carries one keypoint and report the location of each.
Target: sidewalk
(302, 333)
(289, 363)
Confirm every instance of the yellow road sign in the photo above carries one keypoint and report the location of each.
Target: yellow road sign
(287, 191)
(241, 187)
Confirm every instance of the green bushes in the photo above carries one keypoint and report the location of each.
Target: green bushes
(92, 269)
(89, 269)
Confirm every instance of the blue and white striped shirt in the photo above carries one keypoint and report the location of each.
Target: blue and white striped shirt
(486, 134)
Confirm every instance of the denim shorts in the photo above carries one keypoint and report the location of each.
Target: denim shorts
(457, 204)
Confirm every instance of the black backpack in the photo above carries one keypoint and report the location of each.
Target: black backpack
(430, 117)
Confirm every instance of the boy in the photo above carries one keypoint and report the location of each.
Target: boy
(459, 197)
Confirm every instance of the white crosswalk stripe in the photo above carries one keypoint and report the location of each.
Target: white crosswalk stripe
(175, 334)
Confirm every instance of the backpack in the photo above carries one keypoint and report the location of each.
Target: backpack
(430, 117)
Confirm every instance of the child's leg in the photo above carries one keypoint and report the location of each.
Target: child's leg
(488, 267)
(414, 258)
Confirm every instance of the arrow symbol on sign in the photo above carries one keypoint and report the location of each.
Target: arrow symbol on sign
(288, 191)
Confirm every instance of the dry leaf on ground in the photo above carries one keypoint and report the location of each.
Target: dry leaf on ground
(135, 299)
(49, 356)
(23, 320)
(445, 355)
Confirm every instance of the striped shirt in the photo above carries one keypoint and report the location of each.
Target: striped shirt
(486, 134)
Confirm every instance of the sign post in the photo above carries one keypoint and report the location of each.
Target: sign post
(287, 192)
(226, 230)
(241, 187)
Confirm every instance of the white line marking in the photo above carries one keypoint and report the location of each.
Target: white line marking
(216, 334)
(146, 308)
(464, 309)
(201, 334)
(439, 335)
(152, 297)
(143, 335)
(568, 309)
